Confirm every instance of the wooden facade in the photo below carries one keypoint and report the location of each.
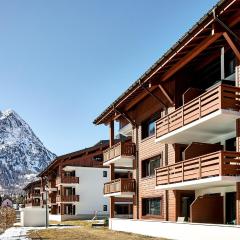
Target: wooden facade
(33, 194)
(189, 83)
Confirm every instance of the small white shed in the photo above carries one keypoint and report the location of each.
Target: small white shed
(33, 217)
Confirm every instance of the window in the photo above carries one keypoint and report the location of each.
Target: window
(230, 63)
(98, 158)
(104, 208)
(104, 173)
(148, 126)
(149, 165)
(69, 174)
(151, 206)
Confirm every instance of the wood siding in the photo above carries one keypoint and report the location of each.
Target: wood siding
(207, 209)
(147, 149)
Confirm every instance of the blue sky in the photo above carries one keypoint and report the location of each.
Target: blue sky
(63, 62)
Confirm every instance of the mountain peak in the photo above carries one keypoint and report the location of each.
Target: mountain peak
(22, 154)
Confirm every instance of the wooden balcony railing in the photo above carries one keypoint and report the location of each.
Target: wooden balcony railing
(38, 195)
(221, 163)
(119, 149)
(70, 198)
(119, 185)
(219, 97)
(67, 179)
(33, 204)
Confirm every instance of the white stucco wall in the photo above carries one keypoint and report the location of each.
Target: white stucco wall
(33, 217)
(90, 190)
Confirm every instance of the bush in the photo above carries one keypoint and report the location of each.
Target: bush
(7, 218)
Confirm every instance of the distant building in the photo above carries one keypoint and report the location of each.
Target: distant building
(7, 202)
(75, 184)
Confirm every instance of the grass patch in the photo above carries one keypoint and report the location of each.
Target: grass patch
(83, 232)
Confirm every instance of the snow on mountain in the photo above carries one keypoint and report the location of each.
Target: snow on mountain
(22, 154)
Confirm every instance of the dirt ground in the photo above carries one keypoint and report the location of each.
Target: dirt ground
(84, 231)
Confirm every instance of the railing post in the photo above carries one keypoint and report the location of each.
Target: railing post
(220, 94)
(168, 123)
(168, 174)
(200, 168)
(199, 106)
(182, 115)
(221, 163)
(182, 171)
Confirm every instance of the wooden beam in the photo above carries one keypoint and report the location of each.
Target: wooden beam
(232, 45)
(166, 94)
(138, 99)
(125, 115)
(196, 51)
(111, 132)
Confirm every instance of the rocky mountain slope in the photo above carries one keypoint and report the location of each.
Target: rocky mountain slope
(22, 154)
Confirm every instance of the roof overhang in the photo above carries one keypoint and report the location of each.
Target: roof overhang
(202, 33)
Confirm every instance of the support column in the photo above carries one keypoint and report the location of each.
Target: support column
(238, 150)
(112, 199)
(238, 203)
(237, 76)
(111, 139)
(62, 208)
(112, 172)
(238, 135)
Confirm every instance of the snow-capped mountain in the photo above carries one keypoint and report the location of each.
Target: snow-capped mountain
(22, 154)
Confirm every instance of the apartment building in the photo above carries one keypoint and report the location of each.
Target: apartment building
(179, 127)
(33, 194)
(74, 184)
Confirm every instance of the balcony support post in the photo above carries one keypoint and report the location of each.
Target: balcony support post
(112, 207)
(182, 171)
(238, 203)
(234, 48)
(168, 174)
(125, 115)
(111, 128)
(200, 168)
(112, 173)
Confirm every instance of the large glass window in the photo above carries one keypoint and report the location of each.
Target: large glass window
(151, 206)
(148, 126)
(149, 166)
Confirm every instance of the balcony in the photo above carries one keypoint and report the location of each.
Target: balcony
(121, 154)
(69, 198)
(196, 120)
(122, 187)
(36, 195)
(67, 180)
(215, 169)
(52, 200)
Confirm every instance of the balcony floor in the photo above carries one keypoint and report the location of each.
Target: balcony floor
(120, 194)
(219, 181)
(205, 129)
(121, 161)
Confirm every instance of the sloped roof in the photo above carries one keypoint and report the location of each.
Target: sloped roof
(162, 60)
